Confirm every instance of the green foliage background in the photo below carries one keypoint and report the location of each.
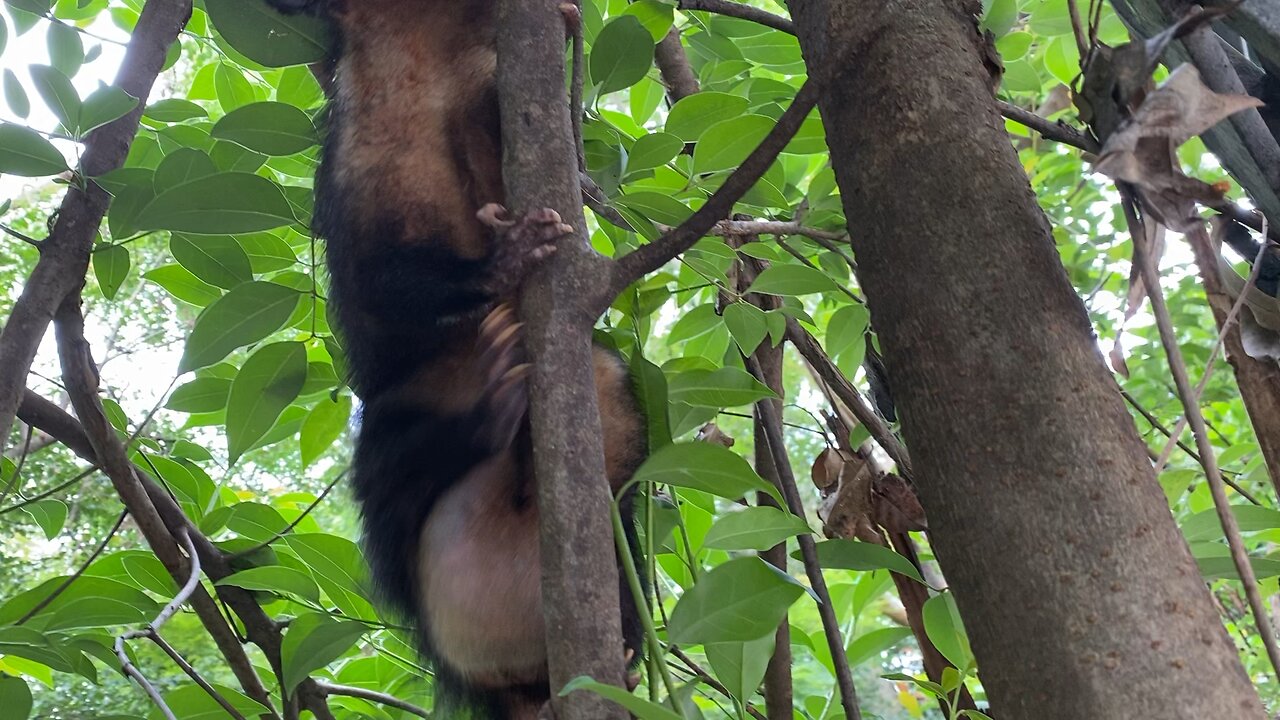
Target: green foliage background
(206, 306)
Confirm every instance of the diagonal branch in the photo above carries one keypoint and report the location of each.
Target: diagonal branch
(64, 256)
(729, 8)
(648, 258)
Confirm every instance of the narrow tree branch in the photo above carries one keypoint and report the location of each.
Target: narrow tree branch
(673, 65)
(198, 679)
(649, 258)
(741, 11)
(731, 228)
(772, 424)
(64, 256)
(51, 491)
(1050, 130)
(812, 351)
(1208, 459)
(289, 528)
(329, 688)
(168, 611)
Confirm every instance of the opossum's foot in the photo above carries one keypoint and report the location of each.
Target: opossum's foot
(633, 678)
(522, 244)
(501, 359)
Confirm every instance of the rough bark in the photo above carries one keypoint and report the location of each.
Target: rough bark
(579, 569)
(1079, 594)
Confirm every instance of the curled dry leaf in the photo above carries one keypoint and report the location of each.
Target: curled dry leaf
(1259, 318)
(1133, 300)
(711, 433)
(1142, 151)
(826, 469)
(895, 506)
(847, 512)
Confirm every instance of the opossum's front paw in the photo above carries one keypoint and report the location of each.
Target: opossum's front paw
(522, 243)
(501, 358)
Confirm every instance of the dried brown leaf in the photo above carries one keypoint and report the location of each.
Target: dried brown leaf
(711, 433)
(895, 506)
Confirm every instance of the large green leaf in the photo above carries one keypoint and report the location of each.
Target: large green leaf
(723, 388)
(111, 267)
(738, 601)
(854, 555)
(313, 641)
(691, 116)
(754, 528)
(246, 314)
(15, 697)
(216, 259)
(25, 153)
(621, 55)
(727, 143)
(792, 280)
(267, 36)
(278, 579)
(271, 128)
(229, 202)
(942, 625)
(322, 427)
(706, 467)
(639, 707)
(740, 666)
(264, 387)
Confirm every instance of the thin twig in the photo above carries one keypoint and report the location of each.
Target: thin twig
(50, 492)
(17, 468)
(731, 228)
(329, 688)
(861, 408)
(772, 424)
(1178, 368)
(648, 258)
(20, 236)
(62, 587)
(168, 611)
(575, 86)
(289, 528)
(1078, 29)
(1048, 129)
(195, 676)
(1190, 451)
(809, 263)
(741, 11)
(1227, 324)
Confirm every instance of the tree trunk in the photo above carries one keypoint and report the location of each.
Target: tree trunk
(1079, 594)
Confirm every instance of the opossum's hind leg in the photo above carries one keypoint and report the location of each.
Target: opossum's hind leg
(522, 244)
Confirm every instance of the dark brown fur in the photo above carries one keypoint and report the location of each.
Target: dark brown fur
(442, 466)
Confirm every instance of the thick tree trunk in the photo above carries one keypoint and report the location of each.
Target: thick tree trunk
(1079, 594)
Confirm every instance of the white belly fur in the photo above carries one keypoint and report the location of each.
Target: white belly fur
(480, 572)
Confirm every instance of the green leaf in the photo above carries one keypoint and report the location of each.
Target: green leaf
(737, 601)
(192, 702)
(1050, 17)
(871, 644)
(621, 54)
(846, 329)
(740, 666)
(15, 697)
(653, 150)
(1014, 45)
(111, 267)
(313, 641)
(66, 50)
(104, 105)
(269, 37)
(86, 612)
(754, 528)
(651, 389)
(942, 625)
(747, 324)
(232, 202)
(14, 95)
(183, 285)
(656, 207)
(270, 128)
(216, 259)
(1205, 525)
(322, 427)
(246, 314)
(336, 563)
(1020, 76)
(723, 388)
(727, 143)
(639, 707)
(691, 116)
(277, 579)
(25, 153)
(173, 110)
(792, 280)
(49, 514)
(202, 395)
(58, 93)
(182, 165)
(705, 467)
(264, 387)
(231, 87)
(999, 17)
(853, 555)
(656, 17)
(255, 521)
